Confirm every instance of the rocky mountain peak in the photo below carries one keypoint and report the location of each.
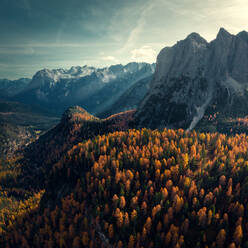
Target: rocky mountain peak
(77, 113)
(193, 75)
(243, 35)
(96, 89)
(223, 35)
(196, 38)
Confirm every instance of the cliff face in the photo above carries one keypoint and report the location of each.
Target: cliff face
(193, 75)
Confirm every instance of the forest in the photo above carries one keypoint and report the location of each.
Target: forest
(135, 188)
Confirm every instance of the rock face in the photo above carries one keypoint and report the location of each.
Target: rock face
(194, 77)
(94, 89)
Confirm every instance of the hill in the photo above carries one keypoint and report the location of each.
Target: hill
(76, 124)
(142, 188)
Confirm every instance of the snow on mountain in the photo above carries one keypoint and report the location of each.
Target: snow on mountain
(51, 77)
(93, 88)
(193, 75)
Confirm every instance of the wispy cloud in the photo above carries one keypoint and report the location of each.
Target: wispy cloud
(144, 54)
(17, 50)
(109, 58)
(209, 15)
(139, 27)
(62, 28)
(58, 45)
(63, 33)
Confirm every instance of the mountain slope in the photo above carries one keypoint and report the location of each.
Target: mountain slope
(195, 77)
(130, 98)
(95, 89)
(9, 88)
(76, 125)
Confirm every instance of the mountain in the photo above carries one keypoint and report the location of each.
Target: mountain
(76, 125)
(195, 80)
(10, 88)
(94, 89)
(92, 182)
(130, 98)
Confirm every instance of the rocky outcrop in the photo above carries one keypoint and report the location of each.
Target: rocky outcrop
(193, 75)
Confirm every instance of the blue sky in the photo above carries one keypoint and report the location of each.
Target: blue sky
(36, 34)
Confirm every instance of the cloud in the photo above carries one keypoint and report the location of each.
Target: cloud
(17, 50)
(58, 45)
(144, 54)
(63, 33)
(109, 58)
(209, 15)
(138, 28)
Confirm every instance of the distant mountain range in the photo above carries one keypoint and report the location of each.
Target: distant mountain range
(9, 88)
(30, 107)
(198, 84)
(94, 89)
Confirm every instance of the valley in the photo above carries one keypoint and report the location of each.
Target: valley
(20, 125)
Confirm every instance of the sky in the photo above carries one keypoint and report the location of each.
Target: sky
(37, 34)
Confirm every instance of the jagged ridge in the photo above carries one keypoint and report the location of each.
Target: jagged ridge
(194, 75)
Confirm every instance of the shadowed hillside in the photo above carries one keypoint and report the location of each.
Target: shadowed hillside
(76, 124)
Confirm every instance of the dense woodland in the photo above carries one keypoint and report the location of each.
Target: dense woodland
(76, 125)
(15, 201)
(139, 188)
